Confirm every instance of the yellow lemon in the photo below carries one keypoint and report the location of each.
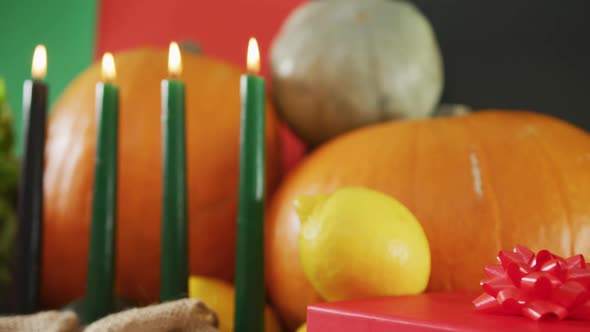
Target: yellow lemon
(359, 243)
(302, 328)
(219, 296)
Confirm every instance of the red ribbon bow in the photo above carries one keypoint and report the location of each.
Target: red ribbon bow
(536, 286)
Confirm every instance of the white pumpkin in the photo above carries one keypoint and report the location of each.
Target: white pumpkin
(342, 64)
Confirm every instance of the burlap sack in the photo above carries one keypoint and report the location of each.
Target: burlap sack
(48, 321)
(188, 315)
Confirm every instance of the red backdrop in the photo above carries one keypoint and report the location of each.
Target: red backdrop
(221, 27)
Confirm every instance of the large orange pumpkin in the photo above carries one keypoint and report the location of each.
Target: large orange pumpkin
(213, 118)
(477, 183)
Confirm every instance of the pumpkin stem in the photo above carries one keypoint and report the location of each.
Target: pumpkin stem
(191, 47)
(306, 204)
(444, 110)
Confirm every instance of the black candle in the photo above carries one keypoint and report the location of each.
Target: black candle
(30, 197)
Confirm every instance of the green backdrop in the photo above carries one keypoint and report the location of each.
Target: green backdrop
(66, 27)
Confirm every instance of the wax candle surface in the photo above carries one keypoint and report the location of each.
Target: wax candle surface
(101, 263)
(174, 261)
(249, 279)
(30, 196)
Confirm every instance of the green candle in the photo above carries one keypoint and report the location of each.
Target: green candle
(174, 263)
(249, 279)
(101, 263)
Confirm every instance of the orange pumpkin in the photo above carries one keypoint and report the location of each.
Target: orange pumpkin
(477, 183)
(213, 119)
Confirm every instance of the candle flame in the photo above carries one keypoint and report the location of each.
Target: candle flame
(39, 68)
(174, 60)
(108, 67)
(253, 57)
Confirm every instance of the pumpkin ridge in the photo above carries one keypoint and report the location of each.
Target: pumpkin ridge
(495, 210)
(373, 66)
(546, 154)
(416, 157)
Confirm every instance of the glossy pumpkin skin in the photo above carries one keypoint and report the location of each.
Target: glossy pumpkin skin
(342, 64)
(477, 183)
(213, 119)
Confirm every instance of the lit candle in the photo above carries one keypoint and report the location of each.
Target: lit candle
(30, 200)
(101, 262)
(249, 279)
(174, 260)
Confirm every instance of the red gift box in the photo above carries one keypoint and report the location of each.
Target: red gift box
(452, 311)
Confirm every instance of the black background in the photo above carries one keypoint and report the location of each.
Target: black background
(519, 54)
